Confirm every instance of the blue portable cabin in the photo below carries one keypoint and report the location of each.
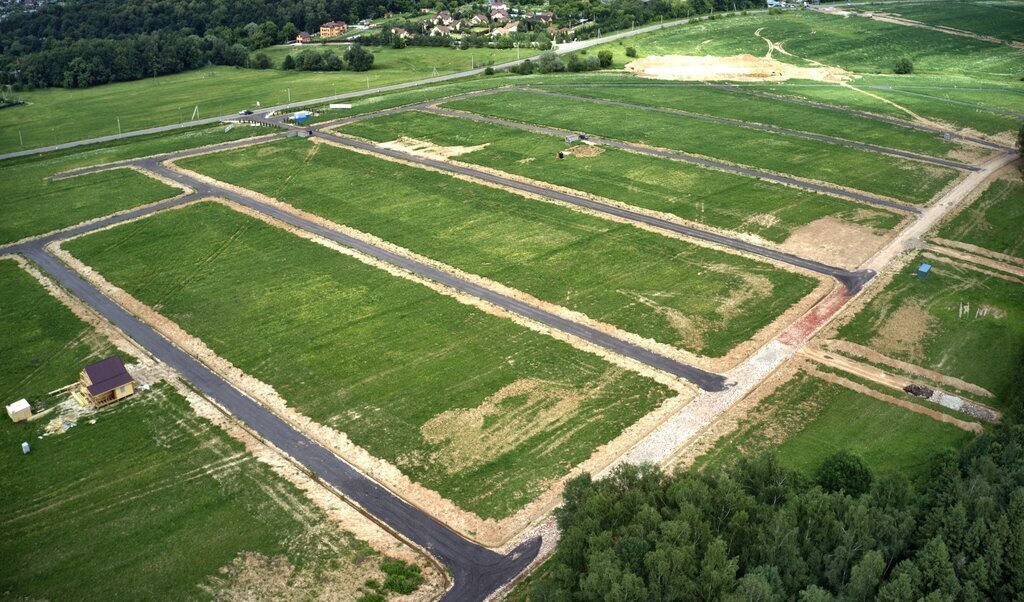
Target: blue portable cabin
(923, 271)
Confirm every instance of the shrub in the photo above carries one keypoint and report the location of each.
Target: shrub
(846, 472)
(630, 52)
(402, 577)
(548, 62)
(525, 68)
(903, 67)
(358, 58)
(289, 62)
(489, 70)
(260, 61)
(605, 56)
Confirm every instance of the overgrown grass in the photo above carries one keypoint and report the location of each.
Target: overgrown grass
(149, 499)
(699, 299)
(32, 204)
(918, 321)
(56, 115)
(716, 198)
(999, 19)
(993, 221)
(907, 180)
(706, 100)
(384, 360)
(807, 419)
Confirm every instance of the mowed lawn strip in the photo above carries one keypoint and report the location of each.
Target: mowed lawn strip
(699, 299)
(151, 499)
(757, 109)
(807, 419)
(32, 204)
(476, 407)
(994, 221)
(921, 321)
(710, 197)
(907, 180)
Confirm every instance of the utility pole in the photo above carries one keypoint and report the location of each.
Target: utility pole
(21, 141)
(289, 95)
(119, 126)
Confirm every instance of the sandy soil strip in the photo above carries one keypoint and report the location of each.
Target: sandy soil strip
(978, 264)
(976, 250)
(870, 355)
(876, 375)
(488, 532)
(148, 370)
(971, 427)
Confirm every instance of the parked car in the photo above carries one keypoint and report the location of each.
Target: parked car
(245, 112)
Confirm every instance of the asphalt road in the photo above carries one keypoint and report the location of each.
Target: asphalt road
(699, 161)
(852, 280)
(702, 378)
(763, 128)
(476, 571)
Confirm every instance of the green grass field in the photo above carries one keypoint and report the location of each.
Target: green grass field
(411, 58)
(999, 19)
(993, 221)
(715, 198)
(460, 400)
(56, 115)
(910, 181)
(150, 499)
(807, 419)
(698, 299)
(33, 204)
(856, 44)
(706, 100)
(918, 321)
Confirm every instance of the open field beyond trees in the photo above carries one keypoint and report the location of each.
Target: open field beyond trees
(392, 364)
(808, 419)
(109, 506)
(959, 322)
(702, 300)
(715, 198)
(1003, 19)
(995, 221)
(905, 180)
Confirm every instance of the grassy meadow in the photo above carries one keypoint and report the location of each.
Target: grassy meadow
(920, 321)
(458, 399)
(807, 419)
(56, 115)
(33, 204)
(715, 102)
(1003, 19)
(698, 299)
(906, 180)
(108, 506)
(719, 199)
(994, 220)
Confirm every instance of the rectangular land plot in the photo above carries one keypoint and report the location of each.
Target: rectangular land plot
(995, 221)
(715, 102)
(927, 323)
(807, 419)
(998, 19)
(906, 180)
(78, 512)
(719, 199)
(698, 299)
(461, 401)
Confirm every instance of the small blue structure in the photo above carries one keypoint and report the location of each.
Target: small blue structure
(923, 271)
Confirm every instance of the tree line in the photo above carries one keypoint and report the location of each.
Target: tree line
(762, 532)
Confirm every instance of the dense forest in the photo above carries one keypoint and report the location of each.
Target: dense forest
(80, 43)
(762, 532)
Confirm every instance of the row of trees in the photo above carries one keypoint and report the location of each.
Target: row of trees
(762, 532)
(357, 58)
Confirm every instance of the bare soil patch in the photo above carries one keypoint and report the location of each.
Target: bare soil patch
(423, 148)
(585, 150)
(903, 332)
(835, 241)
(740, 68)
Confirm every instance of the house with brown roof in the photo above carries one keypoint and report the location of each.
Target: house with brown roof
(499, 15)
(440, 30)
(303, 38)
(333, 29)
(478, 19)
(542, 17)
(105, 382)
(505, 30)
(401, 33)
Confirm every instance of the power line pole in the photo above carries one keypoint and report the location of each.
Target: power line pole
(119, 126)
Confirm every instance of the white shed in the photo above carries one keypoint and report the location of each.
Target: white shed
(19, 410)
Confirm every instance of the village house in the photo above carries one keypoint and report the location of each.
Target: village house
(401, 33)
(499, 6)
(105, 382)
(506, 29)
(499, 16)
(303, 38)
(443, 18)
(478, 19)
(333, 29)
(440, 30)
(542, 17)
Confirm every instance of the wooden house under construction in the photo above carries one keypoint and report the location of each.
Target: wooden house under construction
(105, 382)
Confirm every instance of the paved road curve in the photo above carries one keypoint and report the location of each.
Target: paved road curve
(476, 571)
(836, 191)
(853, 281)
(702, 378)
(761, 127)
